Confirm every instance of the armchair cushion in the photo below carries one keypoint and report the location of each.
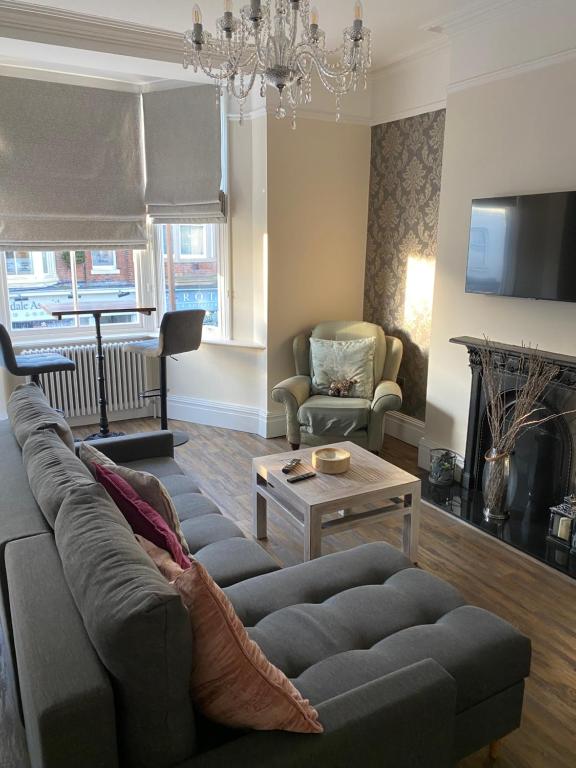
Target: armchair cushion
(351, 359)
(322, 414)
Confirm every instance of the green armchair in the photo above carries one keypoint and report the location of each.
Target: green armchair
(319, 419)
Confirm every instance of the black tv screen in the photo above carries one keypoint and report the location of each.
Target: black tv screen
(524, 246)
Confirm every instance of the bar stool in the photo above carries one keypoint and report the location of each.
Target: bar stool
(31, 365)
(179, 332)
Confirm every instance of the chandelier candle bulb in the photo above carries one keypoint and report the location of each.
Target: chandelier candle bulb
(197, 15)
(358, 13)
(255, 10)
(314, 17)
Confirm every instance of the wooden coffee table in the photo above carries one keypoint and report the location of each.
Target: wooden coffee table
(369, 491)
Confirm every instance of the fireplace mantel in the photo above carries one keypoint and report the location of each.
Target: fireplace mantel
(510, 354)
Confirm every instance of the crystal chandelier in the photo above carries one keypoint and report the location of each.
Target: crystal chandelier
(262, 46)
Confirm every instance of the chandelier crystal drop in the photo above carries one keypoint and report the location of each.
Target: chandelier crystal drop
(279, 44)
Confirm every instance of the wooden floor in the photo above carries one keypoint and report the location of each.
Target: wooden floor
(537, 600)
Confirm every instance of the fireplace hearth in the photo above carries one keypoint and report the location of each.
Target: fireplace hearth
(543, 467)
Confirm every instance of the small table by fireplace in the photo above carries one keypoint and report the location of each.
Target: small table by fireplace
(97, 310)
(545, 470)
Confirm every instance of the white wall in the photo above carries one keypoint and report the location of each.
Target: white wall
(416, 85)
(509, 136)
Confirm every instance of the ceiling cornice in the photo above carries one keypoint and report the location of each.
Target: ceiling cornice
(54, 26)
(462, 20)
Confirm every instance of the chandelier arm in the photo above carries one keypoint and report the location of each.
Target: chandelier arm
(243, 93)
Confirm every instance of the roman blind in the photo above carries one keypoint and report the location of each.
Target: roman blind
(183, 155)
(71, 167)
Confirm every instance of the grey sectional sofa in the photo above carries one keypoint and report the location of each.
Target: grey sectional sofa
(402, 671)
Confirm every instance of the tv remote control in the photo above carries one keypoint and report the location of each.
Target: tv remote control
(292, 464)
(297, 478)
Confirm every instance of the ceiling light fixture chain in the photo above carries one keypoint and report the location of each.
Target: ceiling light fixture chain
(278, 43)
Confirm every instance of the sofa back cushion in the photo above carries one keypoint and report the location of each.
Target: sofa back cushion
(137, 624)
(29, 410)
(53, 471)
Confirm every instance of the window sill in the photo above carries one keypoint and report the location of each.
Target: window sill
(232, 343)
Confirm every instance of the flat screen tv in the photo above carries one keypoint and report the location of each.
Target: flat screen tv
(524, 246)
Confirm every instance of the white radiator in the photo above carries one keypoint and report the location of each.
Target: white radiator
(76, 392)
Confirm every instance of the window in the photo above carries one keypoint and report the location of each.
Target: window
(194, 271)
(104, 262)
(35, 280)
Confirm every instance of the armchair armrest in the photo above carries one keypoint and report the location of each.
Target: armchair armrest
(296, 387)
(140, 445)
(404, 719)
(387, 397)
(292, 393)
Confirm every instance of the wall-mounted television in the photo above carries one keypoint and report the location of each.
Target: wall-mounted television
(523, 246)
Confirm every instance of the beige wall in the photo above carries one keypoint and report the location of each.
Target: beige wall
(510, 136)
(317, 216)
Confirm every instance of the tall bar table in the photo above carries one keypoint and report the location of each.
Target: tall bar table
(97, 310)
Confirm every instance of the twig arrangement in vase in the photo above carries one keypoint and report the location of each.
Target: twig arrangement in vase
(508, 418)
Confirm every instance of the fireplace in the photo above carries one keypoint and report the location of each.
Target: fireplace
(543, 466)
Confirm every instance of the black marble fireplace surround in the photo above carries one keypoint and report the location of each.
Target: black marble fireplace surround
(543, 467)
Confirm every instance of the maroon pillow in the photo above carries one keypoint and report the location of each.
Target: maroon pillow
(142, 518)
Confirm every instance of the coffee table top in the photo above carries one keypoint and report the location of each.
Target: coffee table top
(367, 473)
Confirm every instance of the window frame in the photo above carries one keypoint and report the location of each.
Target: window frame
(99, 269)
(218, 236)
(31, 337)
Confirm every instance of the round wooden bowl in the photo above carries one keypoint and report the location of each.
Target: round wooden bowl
(331, 461)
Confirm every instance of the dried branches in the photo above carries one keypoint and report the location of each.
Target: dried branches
(507, 420)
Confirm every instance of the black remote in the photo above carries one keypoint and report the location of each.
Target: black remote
(297, 478)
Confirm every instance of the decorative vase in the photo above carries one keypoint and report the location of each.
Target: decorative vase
(495, 484)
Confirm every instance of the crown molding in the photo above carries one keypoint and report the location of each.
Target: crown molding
(326, 117)
(512, 71)
(421, 109)
(55, 26)
(455, 23)
(415, 54)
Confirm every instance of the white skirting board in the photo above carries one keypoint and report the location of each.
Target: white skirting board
(244, 418)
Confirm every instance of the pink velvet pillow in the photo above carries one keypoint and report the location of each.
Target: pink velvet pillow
(232, 681)
(142, 518)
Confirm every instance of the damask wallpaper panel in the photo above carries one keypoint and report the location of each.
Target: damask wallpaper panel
(405, 175)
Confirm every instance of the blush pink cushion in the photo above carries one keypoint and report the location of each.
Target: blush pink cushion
(142, 518)
(232, 681)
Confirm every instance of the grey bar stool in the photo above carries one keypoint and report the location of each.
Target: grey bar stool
(179, 332)
(31, 365)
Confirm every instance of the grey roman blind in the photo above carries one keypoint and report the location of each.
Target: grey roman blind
(71, 167)
(183, 155)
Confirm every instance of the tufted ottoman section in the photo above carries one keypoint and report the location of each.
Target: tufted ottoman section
(365, 613)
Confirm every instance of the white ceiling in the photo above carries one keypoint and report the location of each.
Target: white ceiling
(398, 26)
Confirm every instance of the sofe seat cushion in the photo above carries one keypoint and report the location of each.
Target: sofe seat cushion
(29, 410)
(387, 617)
(322, 414)
(137, 625)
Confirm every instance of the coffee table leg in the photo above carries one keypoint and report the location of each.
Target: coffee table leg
(312, 535)
(259, 522)
(411, 530)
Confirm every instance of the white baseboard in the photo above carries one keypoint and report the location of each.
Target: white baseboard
(403, 427)
(242, 418)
